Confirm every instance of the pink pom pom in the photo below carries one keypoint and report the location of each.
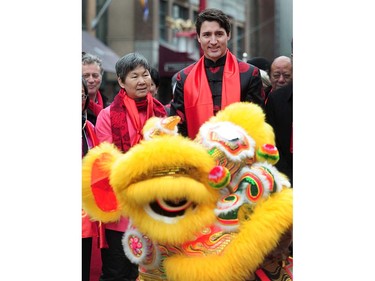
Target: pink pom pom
(219, 177)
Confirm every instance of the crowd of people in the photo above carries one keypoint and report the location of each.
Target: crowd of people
(200, 90)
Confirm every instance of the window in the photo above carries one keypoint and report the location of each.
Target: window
(163, 13)
(84, 9)
(240, 41)
(179, 12)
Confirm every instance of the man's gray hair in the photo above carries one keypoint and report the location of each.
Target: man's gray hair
(92, 59)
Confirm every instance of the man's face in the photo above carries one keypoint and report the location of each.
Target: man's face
(91, 73)
(213, 40)
(137, 82)
(281, 73)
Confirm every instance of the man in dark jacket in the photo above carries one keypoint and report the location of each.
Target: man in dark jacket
(216, 80)
(279, 114)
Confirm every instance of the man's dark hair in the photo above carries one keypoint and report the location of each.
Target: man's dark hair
(213, 15)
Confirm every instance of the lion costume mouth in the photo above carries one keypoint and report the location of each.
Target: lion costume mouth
(171, 208)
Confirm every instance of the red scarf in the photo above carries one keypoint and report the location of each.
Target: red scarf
(90, 131)
(198, 96)
(123, 108)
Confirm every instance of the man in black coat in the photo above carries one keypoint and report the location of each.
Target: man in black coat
(216, 80)
(279, 114)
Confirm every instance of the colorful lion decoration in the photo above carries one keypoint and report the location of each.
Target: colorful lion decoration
(213, 208)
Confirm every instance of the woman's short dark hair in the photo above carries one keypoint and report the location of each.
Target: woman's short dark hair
(213, 15)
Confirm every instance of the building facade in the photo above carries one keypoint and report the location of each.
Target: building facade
(163, 31)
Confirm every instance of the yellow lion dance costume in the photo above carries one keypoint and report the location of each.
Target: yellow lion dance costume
(210, 209)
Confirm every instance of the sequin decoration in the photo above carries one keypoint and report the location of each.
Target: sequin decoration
(212, 240)
(234, 145)
(269, 177)
(222, 160)
(253, 186)
(136, 245)
(227, 209)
